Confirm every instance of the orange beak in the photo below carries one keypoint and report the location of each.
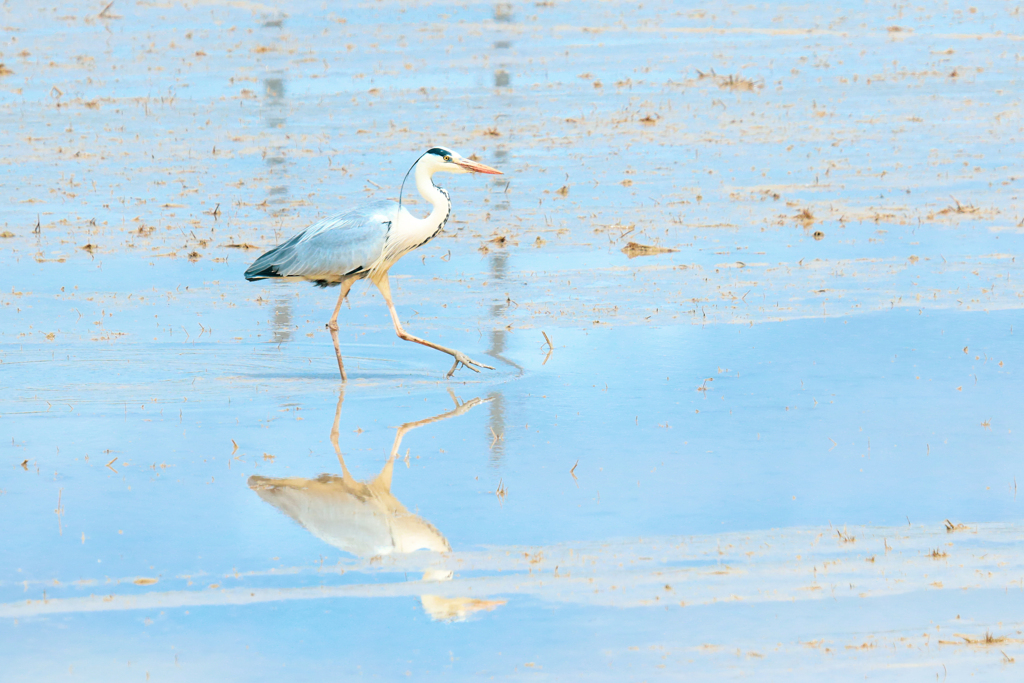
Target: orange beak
(477, 168)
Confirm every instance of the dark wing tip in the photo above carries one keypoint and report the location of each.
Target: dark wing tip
(262, 268)
(254, 273)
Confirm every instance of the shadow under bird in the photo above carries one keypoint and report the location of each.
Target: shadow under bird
(366, 241)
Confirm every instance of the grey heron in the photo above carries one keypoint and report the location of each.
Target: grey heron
(366, 241)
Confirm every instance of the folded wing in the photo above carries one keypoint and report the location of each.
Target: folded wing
(331, 249)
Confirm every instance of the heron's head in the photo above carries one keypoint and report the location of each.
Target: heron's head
(443, 159)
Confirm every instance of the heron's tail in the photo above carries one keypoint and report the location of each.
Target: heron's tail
(264, 267)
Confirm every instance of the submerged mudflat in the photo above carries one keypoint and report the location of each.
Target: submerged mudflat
(749, 283)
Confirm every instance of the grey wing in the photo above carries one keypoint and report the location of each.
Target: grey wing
(332, 248)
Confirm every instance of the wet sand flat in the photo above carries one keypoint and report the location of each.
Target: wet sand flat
(749, 282)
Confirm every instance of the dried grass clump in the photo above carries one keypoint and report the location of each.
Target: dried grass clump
(959, 208)
(732, 82)
(805, 217)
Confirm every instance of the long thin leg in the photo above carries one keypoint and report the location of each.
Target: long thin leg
(385, 288)
(333, 325)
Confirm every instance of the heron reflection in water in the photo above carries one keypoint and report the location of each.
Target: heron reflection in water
(363, 517)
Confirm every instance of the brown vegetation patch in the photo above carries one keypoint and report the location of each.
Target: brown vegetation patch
(633, 249)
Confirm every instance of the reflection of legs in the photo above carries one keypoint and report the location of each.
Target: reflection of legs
(333, 326)
(384, 478)
(385, 288)
(459, 409)
(334, 435)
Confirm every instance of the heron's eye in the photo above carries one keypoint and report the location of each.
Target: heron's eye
(447, 157)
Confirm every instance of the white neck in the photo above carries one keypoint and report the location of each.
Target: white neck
(410, 232)
(430, 192)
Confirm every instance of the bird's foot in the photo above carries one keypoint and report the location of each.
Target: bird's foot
(465, 361)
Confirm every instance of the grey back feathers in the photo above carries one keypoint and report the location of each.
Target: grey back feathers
(331, 249)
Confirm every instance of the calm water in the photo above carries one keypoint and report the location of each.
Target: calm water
(737, 459)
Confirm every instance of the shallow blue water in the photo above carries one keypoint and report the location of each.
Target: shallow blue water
(774, 379)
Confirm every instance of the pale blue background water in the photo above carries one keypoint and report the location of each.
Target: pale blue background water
(838, 396)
